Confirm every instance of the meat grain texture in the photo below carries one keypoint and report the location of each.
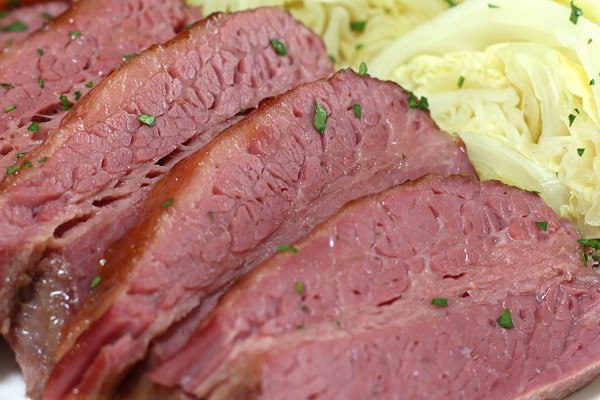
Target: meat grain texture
(356, 301)
(58, 217)
(265, 182)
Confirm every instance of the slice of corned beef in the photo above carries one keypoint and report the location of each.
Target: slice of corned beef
(46, 74)
(265, 182)
(348, 314)
(18, 23)
(89, 179)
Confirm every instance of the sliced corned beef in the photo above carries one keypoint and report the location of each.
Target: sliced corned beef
(46, 74)
(18, 23)
(265, 182)
(349, 313)
(88, 180)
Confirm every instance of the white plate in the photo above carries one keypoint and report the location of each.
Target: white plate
(13, 388)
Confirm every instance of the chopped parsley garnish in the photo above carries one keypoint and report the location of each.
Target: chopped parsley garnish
(415, 102)
(7, 85)
(357, 110)
(77, 95)
(358, 26)
(299, 286)
(21, 155)
(95, 282)
(74, 34)
(89, 84)
(461, 81)
(16, 26)
(43, 159)
(543, 225)
(40, 52)
(12, 169)
(577, 110)
(167, 203)
(284, 248)
(279, 47)
(64, 101)
(590, 40)
(575, 13)
(41, 82)
(505, 320)
(362, 69)
(47, 15)
(451, 3)
(188, 26)
(592, 243)
(149, 120)
(490, 5)
(211, 215)
(332, 58)
(359, 46)
(320, 119)
(34, 127)
(571, 119)
(128, 56)
(28, 164)
(439, 302)
(243, 111)
(10, 108)
(592, 82)
(580, 151)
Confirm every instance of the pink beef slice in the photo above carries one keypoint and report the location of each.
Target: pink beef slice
(265, 182)
(72, 54)
(350, 316)
(89, 179)
(18, 23)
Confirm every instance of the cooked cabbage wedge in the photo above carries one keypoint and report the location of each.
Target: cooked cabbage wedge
(518, 80)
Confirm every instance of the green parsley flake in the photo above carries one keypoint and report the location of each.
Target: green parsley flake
(40, 52)
(593, 243)
(95, 282)
(64, 101)
(415, 102)
(128, 56)
(299, 286)
(505, 320)
(243, 111)
(320, 119)
(46, 15)
(439, 302)
(362, 69)
(211, 215)
(357, 110)
(41, 83)
(332, 58)
(571, 119)
(461, 81)
(7, 85)
(12, 169)
(580, 151)
(543, 225)
(34, 127)
(89, 84)
(10, 108)
(43, 159)
(16, 26)
(490, 5)
(592, 82)
(576, 12)
(74, 34)
(77, 95)
(167, 203)
(21, 155)
(149, 120)
(358, 26)
(284, 248)
(279, 47)
(359, 46)
(28, 164)
(590, 40)
(451, 3)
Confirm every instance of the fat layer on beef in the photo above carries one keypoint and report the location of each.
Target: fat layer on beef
(18, 23)
(264, 183)
(350, 315)
(89, 179)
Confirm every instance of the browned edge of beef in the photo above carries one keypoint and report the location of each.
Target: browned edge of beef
(46, 74)
(18, 23)
(356, 299)
(102, 160)
(263, 183)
